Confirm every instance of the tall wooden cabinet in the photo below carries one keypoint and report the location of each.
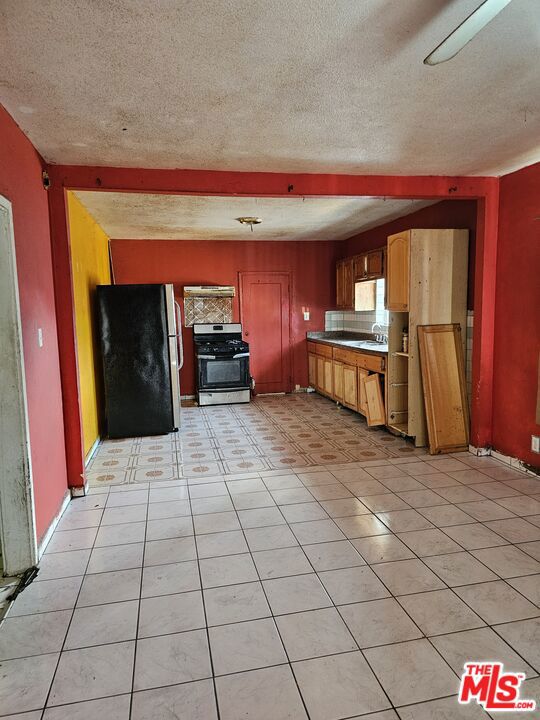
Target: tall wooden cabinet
(426, 285)
(344, 284)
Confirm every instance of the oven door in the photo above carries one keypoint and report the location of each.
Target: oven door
(222, 372)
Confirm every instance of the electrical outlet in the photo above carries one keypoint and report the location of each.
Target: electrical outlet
(40, 337)
(535, 443)
(306, 315)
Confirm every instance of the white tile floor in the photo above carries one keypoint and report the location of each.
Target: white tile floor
(277, 561)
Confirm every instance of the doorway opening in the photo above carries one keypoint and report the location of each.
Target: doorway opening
(18, 543)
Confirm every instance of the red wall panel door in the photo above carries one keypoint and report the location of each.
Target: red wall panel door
(265, 315)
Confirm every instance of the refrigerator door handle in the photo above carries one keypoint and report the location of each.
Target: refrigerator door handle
(170, 303)
(175, 381)
(179, 335)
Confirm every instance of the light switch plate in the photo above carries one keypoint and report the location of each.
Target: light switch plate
(40, 337)
(535, 443)
(306, 316)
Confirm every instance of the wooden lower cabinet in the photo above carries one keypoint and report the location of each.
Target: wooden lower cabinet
(362, 404)
(350, 387)
(312, 370)
(342, 375)
(338, 381)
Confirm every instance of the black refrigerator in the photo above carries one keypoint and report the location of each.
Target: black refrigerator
(141, 346)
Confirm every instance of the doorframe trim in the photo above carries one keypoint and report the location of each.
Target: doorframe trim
(17, 516)
(290, 276)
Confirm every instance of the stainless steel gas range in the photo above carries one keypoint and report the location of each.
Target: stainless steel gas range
(222, 364)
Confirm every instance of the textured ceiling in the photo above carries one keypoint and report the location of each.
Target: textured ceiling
(285, 85)
(190, 217)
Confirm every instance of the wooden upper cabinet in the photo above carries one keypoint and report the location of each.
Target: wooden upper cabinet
(360, 267)
(375, 264)
(397, 272)
(345, 284)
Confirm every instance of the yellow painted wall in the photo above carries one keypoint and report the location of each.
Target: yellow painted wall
(89, 267)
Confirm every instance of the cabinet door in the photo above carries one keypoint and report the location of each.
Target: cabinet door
(338, 381)
(350, 392)
(397, 272)
(348, 284)
(360, 267)
(339, 284)
(374, 401)
(374, 264)
(320, 373)
(362, 403)
(312, 369)
(328, 380)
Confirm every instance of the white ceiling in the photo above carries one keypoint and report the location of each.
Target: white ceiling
(191, 217)
(285, 85)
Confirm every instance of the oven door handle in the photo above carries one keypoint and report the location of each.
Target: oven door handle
(240, 355)
(206, 357)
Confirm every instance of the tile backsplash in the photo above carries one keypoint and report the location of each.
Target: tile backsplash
(207, 310)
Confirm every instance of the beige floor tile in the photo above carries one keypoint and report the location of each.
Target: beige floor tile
(163, 552)
(528, 586)
(112, 708)
(110, 587)
(382, 548)
(412, 672)
(282, 562)
(483, 644)
(194, 701)
(497, 602)
(303, 512)
(350, 585)
(316, 531)
(429, 542)
(17, 694)
(474, 536)
(361, 526)
(379, 622)
(339, 686)
(227, 570)
(296, 594)
(93, 672)
(443, 709)
(508, 561)
(171, 614)
(446, 515)
(267, 694)
(440, 611)
(223, 543)
(524, 637)
(270, 538)
(101, 624)
(459, 568)
(314, 634)
(246, 646)
(333, 555)
(515, 530)
(261, 517)
(403, 520)
(170, 659)
(33, 634)
(407, 576)
(235, 603)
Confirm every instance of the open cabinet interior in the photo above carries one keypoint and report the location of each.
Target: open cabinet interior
(398, 373)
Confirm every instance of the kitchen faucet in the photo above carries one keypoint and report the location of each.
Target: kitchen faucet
(381, 337)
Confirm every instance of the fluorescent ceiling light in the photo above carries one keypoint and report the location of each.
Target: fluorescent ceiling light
(463, 34)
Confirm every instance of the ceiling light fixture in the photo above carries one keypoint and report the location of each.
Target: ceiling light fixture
(251, 221)
(465, 32)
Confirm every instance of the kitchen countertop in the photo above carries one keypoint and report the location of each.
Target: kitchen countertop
(350, 340)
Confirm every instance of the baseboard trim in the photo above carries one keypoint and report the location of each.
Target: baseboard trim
(52, 527)
(92, 452)
(480, 451)
(80, 491)
(514, 463)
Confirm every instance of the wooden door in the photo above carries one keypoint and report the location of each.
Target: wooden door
(362, 404)
(338, 381)
(397, 272)
(375, 412)
(265, 315)
(328, 384)
(350, 392)
(312, 370)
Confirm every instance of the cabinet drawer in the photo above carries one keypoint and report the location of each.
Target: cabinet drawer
(375, 363)
(345, 356)
(320, 349)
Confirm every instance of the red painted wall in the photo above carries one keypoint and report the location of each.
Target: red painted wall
(184, 262)
(20, 182)
(517, 315)
(445, 214)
